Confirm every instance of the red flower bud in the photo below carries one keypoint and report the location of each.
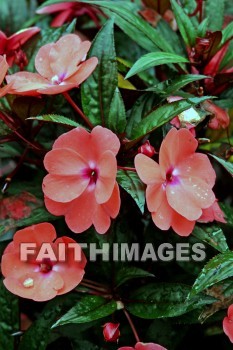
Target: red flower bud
(21, 59)
(147, 149)
(111, 332)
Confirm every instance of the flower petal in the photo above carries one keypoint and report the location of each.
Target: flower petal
(64, 188)
(228, 324)
(176, 147)
(154, 196)
(107, 167)
(40, 233)
(64, 162)
(56, 208)
(163, 216)
(83, 71)
(195, 194)
(71, 270)
(78, 140)
(148, 170)
(112, 206)
(16, 40)
(212, 213)
(197, 165)
(75, 50)
(56, 89)
(101, 220)
(81, 211)
(3, 68)
(26, 82)
(181, 225)
(42, 63)
(103, 140)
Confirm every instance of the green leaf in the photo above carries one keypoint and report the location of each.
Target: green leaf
(213, 235)
(227, 165)
(154, 59)
(228, 213)
(37, 336)
(98, 90)
(202, 28)
(163, 115)
(53, 118)
(216, 270)
(116, 119)
(48, 35)
(131, 183)
(143, 106)
(14, 14)
(164, 300)
(185, 25)
(227, 33)
(88, 309)
(127, 273)
(126, 17)
(214, 9)
(9, 318)
(4, 130)
(169, 87)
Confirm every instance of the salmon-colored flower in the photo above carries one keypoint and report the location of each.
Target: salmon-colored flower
(81, 183)
(144, 346)
(3, 70)
(67, 11)
(41, 280)
(228, 323)
(10, 46)
(61, 66)
(180, 186)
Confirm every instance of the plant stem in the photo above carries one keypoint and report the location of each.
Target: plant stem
(14, 172)
(132, 325)
(77, 109)
(99, 289)
(126, 168)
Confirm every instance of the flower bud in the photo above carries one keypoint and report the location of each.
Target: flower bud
(147, 149)
(111, 332)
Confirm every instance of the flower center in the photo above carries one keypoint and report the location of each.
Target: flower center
(91, 174)
(58, 79)
(46, 266)
(171, 177)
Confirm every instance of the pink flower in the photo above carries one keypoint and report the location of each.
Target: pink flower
(219, 119)
(111, 332)
(66, 11)
(60, 65)
(144, 346)
(180, 186)
(9, 46)
(3, 70)
(41, 280)
(81, 183)
(228, 323)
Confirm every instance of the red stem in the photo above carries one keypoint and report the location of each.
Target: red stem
(77, 109)
(126, 168)
(132, 325)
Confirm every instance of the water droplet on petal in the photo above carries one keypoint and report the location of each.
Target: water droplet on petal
(28, 283)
